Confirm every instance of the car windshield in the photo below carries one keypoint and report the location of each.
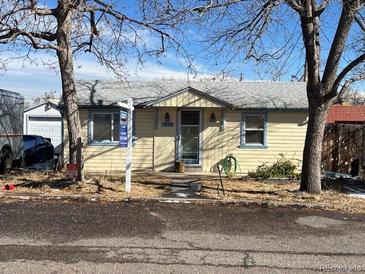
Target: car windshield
(28, 142)
(39, 140)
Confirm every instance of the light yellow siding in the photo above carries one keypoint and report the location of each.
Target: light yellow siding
(286, 135)
(155, 146)
(213, 140)
(188, 99)
(164, 147)
(111, 159)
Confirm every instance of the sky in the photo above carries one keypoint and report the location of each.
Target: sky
(34, 78)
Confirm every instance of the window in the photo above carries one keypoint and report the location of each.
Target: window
(29, 142)
(254, 131)
(105, 128)
(39, 140)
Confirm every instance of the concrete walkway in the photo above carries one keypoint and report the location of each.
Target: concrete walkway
(183, 188)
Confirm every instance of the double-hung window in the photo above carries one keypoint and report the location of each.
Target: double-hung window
(104, 128)
(254, 130)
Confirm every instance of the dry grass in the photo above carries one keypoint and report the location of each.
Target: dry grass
(155, 186)
(57, 184)
(282, 192)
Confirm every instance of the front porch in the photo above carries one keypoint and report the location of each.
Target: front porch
(188, 126)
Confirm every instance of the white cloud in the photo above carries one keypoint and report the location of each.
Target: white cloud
(85, 69)
(34, 78)
(24, 68)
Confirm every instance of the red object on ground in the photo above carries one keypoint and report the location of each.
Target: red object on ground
(346, 114)
(72, 171)
(8, 187)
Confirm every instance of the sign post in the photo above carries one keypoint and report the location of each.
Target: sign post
(126, 138)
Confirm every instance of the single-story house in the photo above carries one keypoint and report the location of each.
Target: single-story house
(344, 140)
(199, 122)
(45, 120)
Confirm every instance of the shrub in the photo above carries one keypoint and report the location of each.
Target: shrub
(262, 171)
(281, 168)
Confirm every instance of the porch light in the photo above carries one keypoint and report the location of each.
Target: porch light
(167, 117)
(212, 117)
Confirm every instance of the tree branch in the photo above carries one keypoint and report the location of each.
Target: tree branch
(41, 11)
(295, 6)
(321, 7)
(360, 21)
(310, 26)
(48, 36)
(213, 5)
(347, 84)
(339, 41)
(32, 37)
(344, 72)
(108, 9)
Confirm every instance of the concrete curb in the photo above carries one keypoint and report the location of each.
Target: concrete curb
(96, 198)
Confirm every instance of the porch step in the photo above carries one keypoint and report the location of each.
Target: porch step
(179, 187)
(184, 189)
(185, 195)
(183, 181)
(193, 169)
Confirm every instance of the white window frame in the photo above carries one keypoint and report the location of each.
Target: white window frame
(243, 143)
(91, 128)
(200, 127)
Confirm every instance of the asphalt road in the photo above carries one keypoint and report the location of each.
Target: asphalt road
(94, 237)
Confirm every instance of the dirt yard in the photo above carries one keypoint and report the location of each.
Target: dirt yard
(56, 184)
(253, 190)
(147, 186)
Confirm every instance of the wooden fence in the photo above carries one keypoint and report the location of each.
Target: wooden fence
(344, 149)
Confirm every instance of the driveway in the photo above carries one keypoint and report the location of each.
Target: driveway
(356, 189)
(137, 237)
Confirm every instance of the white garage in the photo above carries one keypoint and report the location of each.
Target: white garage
(45, 120)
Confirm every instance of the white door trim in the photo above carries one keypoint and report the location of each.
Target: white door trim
(178, 137)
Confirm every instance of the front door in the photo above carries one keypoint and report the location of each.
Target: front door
(189, 145)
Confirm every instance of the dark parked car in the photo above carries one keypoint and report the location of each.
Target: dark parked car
(37, 149)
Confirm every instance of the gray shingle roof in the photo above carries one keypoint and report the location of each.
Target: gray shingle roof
(251, 95)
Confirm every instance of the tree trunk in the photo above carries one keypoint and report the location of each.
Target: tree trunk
(311, 166)
(65, 59)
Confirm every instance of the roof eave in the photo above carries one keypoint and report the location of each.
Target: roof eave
(272, 109)
(187, 89)
(42, 104)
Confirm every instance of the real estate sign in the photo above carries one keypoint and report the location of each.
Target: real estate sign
(123, 129)
(125, 138)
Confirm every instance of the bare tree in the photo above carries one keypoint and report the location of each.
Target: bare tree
(352, 97)
(71, 27)
(40, 99)
(260, 30)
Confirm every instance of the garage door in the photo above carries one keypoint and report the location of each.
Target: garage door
(49, 127)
